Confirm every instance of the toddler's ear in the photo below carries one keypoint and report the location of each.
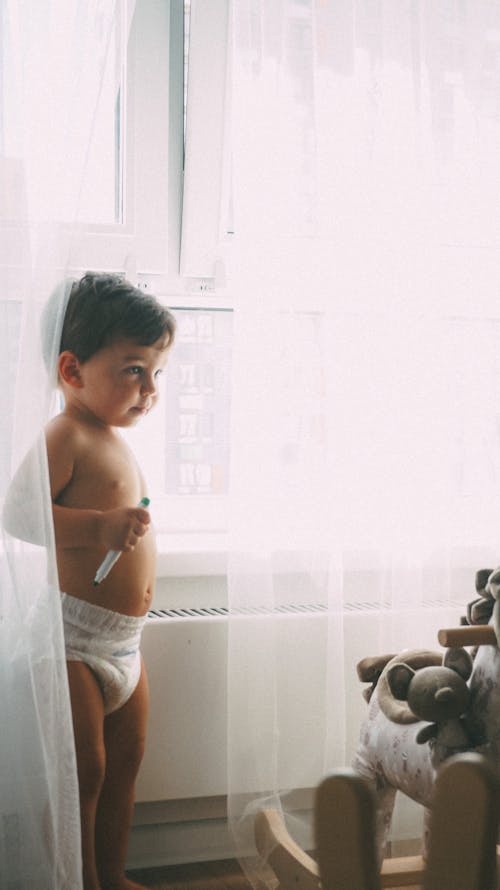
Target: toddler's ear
(68, 368)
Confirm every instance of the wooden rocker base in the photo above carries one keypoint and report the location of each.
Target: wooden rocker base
(462, 850)
(287, 858)
(303, 874)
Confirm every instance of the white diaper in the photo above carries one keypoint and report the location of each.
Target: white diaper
(108, 642)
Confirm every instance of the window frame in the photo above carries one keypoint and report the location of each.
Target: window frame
(148, 238)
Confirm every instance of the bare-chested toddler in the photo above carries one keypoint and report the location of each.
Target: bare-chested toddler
(114, 345)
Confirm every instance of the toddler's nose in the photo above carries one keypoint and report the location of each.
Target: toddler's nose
(149, 386)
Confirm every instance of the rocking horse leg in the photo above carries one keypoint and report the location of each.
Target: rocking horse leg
(385, 798)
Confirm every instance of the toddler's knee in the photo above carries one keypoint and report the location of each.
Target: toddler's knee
(129, 755)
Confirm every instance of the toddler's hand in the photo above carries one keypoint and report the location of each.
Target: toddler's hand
(123, 527)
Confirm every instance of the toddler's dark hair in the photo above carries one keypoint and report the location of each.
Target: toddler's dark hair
(103, 308)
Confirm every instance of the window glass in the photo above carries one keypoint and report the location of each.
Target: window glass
(198, 404)
(183, 445)
(102, 195)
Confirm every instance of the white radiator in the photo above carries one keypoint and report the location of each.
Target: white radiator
(185, 652)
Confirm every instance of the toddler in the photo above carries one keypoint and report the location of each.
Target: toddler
(114, 345)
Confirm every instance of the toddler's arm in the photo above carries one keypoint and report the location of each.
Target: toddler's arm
(118, 529)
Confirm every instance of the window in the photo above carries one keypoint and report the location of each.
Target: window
(137, 150)
(189, 427)
(103, 192)
(197, 414)
(130, 221)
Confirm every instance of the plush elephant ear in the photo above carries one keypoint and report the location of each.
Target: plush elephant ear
(458, 660)
(399, 676)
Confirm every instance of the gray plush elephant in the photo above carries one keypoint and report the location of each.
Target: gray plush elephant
(424, 708)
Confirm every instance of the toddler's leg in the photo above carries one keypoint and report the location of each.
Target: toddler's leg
(124, 735)
(88, 718)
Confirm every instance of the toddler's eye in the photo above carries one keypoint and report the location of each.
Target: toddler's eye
(158, 372)
(135, 369)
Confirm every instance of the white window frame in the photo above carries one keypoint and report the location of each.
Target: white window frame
(147, 241)
(205, 210)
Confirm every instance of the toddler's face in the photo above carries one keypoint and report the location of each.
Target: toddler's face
(119, 384)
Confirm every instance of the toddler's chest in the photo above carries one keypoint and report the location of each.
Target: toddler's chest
(111, 472)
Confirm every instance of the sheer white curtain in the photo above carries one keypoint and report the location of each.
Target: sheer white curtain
(52, 63)
(365, 460)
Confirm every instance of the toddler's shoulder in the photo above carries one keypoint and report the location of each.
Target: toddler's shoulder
(65, 434)
(64, 426)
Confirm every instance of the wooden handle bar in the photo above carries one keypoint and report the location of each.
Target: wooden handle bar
(467, 635)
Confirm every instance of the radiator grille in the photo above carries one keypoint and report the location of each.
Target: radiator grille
(204, 612)
(289, 609)
(223, 611)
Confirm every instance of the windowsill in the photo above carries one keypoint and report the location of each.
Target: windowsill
(191, 554)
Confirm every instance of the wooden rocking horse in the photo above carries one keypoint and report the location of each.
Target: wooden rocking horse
(462, 846)
(464, 813)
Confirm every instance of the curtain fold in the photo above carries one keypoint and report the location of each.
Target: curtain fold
(53, 57)
(366, 273)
